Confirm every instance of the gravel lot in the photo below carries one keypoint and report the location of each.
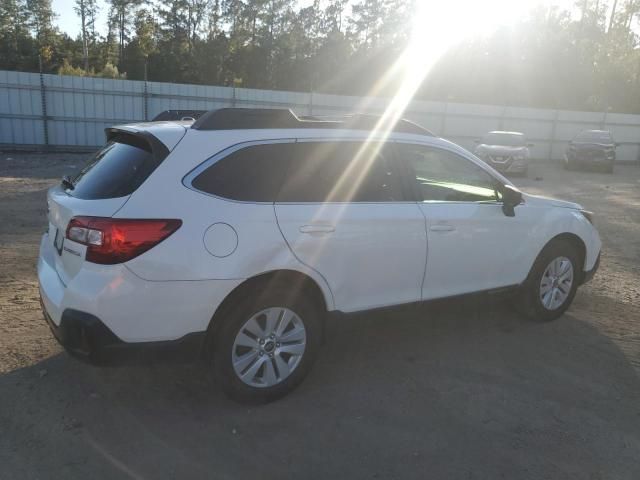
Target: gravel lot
(452, 390)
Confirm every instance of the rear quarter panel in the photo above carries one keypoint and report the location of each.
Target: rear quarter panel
(260, 245)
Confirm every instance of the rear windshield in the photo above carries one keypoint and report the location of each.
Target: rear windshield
(592, 136)
(505, 139)
(116, 170)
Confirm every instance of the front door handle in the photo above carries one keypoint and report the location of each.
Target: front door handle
(317, 229)
(442, 227)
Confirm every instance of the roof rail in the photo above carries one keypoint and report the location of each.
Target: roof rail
(262, 118)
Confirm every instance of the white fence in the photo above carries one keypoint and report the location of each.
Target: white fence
(72, 112)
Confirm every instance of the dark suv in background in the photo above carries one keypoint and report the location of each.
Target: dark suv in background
(507, 152)
(591, 148)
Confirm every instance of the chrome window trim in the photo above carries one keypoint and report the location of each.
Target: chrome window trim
(191, 175)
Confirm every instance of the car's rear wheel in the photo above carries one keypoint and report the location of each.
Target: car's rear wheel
(265, 348)
(552, 283)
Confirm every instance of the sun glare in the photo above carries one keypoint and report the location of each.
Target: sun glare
(437, 26)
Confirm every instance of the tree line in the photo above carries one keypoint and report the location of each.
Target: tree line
(586, 58)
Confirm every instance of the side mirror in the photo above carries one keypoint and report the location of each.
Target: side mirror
(511, 198)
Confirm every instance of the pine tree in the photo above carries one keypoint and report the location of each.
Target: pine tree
(87, 11)
(40, 22)
(121, 16)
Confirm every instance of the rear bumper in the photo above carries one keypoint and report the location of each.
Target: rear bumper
(85, 337)
(131, 309)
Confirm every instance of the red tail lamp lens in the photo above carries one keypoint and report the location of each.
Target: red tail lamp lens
(112, 240)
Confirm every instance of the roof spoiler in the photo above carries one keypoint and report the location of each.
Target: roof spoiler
(140, 138)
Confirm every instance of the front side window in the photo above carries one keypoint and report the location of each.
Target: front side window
(443, 176)
(340, 172)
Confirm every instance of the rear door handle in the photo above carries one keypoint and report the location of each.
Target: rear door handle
(317, 229)
(442, 227)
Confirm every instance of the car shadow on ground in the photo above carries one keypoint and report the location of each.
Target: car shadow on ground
(455, 389)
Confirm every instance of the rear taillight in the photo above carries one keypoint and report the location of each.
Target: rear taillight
(114, 240)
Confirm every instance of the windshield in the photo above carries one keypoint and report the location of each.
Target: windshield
(507, 139)
(593, 136)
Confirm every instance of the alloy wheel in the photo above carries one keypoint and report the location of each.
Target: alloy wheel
(269, 347)
(556, 283)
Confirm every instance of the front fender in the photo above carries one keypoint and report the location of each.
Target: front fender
(551, 222)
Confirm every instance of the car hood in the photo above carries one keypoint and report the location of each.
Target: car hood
(501, 150)
(550, 202)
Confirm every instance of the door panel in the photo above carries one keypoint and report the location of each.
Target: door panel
(371, 255)
(473, 247)
(343, 212)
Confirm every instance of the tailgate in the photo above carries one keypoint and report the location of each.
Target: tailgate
(100, 189)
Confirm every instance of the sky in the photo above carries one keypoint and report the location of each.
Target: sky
(499, 11)
(69, 22)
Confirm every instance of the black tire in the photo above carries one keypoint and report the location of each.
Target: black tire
(308, 309)
(528, 301)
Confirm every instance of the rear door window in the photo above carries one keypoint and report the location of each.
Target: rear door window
(341, 172)
(116, 170)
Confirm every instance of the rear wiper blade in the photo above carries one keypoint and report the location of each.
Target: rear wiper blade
(67, 183)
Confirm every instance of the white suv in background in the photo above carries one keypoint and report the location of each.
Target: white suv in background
(238, 234)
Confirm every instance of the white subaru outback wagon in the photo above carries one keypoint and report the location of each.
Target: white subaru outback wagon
(238, 233)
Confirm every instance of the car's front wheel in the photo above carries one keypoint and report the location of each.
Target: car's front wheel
(552, 283)
(265, 348)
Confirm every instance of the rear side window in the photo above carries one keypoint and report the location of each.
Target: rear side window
(252, 174)
(304, 172)
(117, 170)
(341, 172)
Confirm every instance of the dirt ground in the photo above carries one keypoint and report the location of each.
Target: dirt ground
(463, 390)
